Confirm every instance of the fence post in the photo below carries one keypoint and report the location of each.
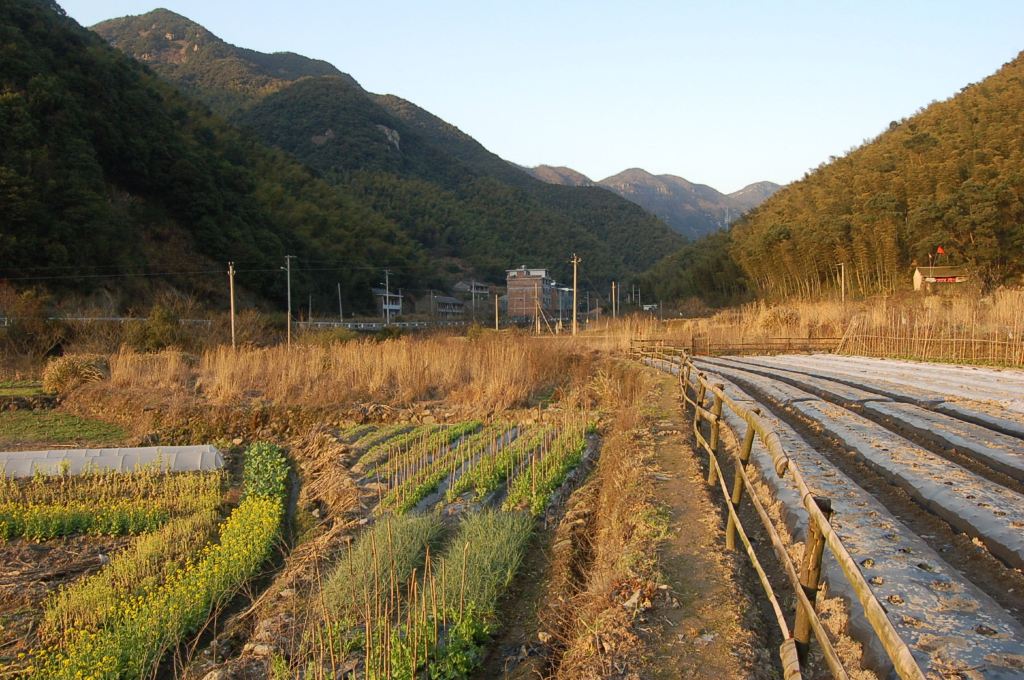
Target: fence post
(737, 486)
(789, 655)
(810, 576)
(716, 428)
(698, 404)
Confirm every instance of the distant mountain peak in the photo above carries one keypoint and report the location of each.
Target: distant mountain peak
(691, 209)
(559, 174)
(186, 52)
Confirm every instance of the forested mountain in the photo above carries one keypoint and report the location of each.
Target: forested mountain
(459, 201)
(559, 174)
(753, 195)
(109, 176)
(692, 210)
(952, 176)
(201, 63)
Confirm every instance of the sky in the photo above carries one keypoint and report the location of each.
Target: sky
(722, 93)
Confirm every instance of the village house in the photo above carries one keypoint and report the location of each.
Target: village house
(927, 277)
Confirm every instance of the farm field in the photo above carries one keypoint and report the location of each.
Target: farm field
(923, 464)
(547, 518)
(105, 571)
(449, 511)
(382, 548)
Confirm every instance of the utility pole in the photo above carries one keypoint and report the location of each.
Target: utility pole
(288, 268)
(575, 263)
(587, 317)
(387, 297)
(231, 286)
(613, 299)
(472, 294)
(495, 311)
(561, 311)
(536, 306)
(341, 310)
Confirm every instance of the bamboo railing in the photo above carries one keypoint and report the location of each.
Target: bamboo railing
(803, 580)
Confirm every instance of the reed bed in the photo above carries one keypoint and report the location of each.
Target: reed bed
(492, 373)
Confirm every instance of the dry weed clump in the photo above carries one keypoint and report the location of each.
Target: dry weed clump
(169, 370)
(71, 371)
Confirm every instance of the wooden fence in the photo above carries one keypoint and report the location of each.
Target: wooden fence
(967, 349)
(702, 344)
(708, 402)
(964, 350)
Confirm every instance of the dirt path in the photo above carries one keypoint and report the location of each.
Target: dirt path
(709, 630)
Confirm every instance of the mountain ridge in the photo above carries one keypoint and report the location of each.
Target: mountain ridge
(115, 182)
(692, 210)
(443, 187)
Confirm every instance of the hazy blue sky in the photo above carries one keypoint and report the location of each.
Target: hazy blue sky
(723, 93)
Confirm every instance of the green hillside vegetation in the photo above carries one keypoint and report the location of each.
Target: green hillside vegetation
(227, 77)
(458, 200)
(105, 170)
(702, 269)
(950, 176)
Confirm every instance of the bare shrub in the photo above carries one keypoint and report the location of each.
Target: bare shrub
(161, 329)
(28, 332)
(71, 371)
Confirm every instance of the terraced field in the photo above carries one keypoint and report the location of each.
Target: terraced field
(923, 464)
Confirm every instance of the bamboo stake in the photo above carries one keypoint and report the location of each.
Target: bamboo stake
(737, 485)
(810, 576)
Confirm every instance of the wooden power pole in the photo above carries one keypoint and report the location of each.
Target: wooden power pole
(536, 307)
(231, 287)
(288, 268)
(575, 262)
(495, 311)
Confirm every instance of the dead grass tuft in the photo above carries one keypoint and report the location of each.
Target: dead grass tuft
(71, 371)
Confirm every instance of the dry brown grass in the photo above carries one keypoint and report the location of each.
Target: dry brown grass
(490, 373)
(960, 328)
(65, 373)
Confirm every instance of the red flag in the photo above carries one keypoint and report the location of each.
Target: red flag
(940, 251)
